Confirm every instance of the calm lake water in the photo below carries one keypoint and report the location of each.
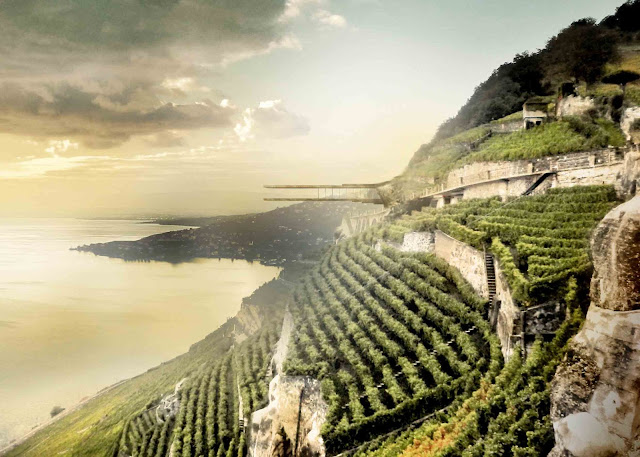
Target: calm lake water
(72, 323)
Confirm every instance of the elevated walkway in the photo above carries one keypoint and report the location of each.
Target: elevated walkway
(362, 193)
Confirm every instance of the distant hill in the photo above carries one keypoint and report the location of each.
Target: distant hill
(585, 59)
(585, 51)
(282, 235)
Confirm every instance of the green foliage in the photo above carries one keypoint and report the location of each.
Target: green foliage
(625, 18)
(502, 93)
(392, 336)
(540, 241)
(562, 137)
(208, 418)
(621, 77)
(580, 52)
(509, 118)
(509, 416)
(518, 283)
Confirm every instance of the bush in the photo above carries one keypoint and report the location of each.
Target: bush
(56, 410)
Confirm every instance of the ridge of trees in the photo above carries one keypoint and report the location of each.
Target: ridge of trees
(578, 53)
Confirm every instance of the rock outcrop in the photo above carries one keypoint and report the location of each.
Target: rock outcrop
(596, 391)
(616, 256)
(290, 424)
(630, 179)
(296, 411)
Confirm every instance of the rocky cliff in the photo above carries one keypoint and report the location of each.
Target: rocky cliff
(596, 390)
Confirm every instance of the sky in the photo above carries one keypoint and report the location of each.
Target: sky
(144, 108)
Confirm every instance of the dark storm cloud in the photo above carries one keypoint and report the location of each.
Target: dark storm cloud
(94, 70)
(99, 120)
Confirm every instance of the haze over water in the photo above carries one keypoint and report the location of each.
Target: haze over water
(73, 323)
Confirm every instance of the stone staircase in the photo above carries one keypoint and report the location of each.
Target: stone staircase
(491, 284)
(537, 182)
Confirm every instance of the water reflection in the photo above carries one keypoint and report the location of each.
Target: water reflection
(72, 323)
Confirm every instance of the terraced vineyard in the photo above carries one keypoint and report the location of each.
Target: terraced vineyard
(393, 337)
(509, 417)
(540, 241)
(401, 343)
(210, 414)
(408, 362)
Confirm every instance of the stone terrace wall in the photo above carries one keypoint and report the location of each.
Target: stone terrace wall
(484, 171)
(469, 261)
(418, 242)
(503, 188)
(412, 242)
(507, 127)
(471, 264)
(590, 176)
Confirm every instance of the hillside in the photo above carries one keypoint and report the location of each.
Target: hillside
(96, 427)
(437, 332)
(585, 59)
(584, 52)
(282, 235)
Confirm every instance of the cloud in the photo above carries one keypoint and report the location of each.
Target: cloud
(293, 8)
(168, 139)
(98, 118)
(325, 19)
(329, 20)
(59, 146)
(270, 120)
(98, 72)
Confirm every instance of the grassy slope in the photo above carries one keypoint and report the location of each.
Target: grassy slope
(94, 429)
(435, 160)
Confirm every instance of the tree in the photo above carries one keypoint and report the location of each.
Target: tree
(56, 410)
(625, 18)
(501, 94)
(580, 52)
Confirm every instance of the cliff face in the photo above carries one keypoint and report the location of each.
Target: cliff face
(596, 391)
(290, 424)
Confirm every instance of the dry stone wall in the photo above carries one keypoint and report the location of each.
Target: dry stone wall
(469, 261)
(608, 174)
(512, 178)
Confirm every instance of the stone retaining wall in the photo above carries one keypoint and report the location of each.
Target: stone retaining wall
(469, 261)
(481, 172)
(508, 312)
